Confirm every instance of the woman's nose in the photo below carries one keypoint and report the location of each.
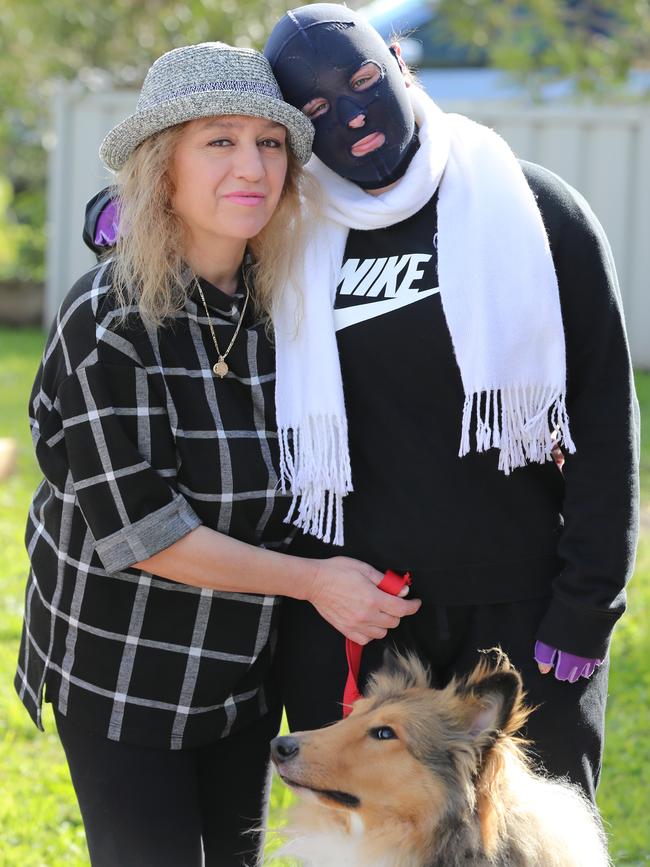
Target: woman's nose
(249, 164)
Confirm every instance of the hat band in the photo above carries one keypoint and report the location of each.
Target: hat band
(236, 85)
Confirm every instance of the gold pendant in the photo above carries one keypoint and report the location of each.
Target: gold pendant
(220, 368)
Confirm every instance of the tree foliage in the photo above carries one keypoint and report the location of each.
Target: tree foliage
(593, 43)
(91, 40)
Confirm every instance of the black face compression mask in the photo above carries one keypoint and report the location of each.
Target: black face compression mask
(334, 66)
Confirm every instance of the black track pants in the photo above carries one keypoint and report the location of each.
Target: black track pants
(145, 807)
(567, 729)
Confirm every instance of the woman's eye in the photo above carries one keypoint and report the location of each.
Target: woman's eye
(383, 733)
(316, 108)
(219, 143)
(270, 143)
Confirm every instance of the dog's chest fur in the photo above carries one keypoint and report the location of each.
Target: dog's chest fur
(331, 850)
(337, 848)
(459, 845)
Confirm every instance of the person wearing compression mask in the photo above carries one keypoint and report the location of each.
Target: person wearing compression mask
(454, 322)
(355, 96)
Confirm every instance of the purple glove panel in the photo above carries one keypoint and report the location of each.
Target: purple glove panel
(106, 228)
(568, 666)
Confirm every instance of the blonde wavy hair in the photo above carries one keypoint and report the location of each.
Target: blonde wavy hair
(149, 270)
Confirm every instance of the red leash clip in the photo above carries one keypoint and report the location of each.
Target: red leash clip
(391, 583)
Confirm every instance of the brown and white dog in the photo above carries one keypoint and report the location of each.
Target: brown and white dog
(418, 777)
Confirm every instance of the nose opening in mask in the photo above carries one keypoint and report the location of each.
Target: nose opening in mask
(348, 109)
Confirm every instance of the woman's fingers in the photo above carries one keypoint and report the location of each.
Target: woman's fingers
(358, 638)
(369, 572)
(377, 577)
(388, 621)
(381, 609)
(366, 635)
(345, 593)
(398, 607)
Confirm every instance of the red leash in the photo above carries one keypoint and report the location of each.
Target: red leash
(391, 583)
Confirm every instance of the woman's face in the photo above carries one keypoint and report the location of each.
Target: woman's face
(228, 175)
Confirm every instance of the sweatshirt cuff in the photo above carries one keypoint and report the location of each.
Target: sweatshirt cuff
(576, 630)
(148, 536)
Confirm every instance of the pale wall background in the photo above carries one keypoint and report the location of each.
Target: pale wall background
(604, 152)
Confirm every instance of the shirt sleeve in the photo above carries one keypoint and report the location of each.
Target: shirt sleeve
(600, 511)
(122, 462)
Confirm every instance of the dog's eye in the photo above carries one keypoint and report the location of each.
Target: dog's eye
(383, 733)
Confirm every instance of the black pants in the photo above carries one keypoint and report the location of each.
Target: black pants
(145, 807)
(566, 730)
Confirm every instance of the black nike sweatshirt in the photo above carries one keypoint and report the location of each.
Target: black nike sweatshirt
(469, 534)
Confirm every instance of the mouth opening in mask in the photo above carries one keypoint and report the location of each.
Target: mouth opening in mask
(368, 144)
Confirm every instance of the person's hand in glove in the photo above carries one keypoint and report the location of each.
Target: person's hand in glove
(568, 666)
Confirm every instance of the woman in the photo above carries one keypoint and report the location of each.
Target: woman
(151, 603)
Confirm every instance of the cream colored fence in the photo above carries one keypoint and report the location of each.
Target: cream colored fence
(604, 152)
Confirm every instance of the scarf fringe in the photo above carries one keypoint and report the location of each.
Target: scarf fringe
(315, 466)
(524, 423)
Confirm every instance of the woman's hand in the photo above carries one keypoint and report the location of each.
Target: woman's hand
(344, 591)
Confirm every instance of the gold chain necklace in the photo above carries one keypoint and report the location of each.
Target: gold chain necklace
(220, 368)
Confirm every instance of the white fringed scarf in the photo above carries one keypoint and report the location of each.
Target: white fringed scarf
(499, 294)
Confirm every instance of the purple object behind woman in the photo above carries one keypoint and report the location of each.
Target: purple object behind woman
(106, 226)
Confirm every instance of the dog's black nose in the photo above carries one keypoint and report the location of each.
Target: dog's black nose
(284, 748)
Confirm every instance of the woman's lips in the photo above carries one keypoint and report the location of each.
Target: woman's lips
(368, 144)
(249, 200)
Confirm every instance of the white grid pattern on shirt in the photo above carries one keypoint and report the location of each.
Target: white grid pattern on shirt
(71, 545)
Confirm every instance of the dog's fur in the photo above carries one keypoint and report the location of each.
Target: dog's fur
(453, 786)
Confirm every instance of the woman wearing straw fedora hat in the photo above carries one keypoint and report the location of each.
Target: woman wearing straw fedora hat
(156, 538)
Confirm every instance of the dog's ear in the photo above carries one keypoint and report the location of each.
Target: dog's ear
(495, 697)
(498, 695)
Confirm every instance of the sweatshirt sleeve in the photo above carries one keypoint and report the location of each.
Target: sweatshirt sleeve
(598, 541)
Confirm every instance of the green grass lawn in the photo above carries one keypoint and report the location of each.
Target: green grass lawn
(39, 820)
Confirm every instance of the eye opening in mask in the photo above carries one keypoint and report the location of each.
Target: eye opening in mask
(368, 74)
(316, 107)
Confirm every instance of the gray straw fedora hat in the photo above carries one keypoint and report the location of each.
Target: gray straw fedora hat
(202, 81)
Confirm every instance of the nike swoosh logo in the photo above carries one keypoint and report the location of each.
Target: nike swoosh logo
(346, 316)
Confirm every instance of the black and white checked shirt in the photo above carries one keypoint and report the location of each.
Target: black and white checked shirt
(139, 443)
